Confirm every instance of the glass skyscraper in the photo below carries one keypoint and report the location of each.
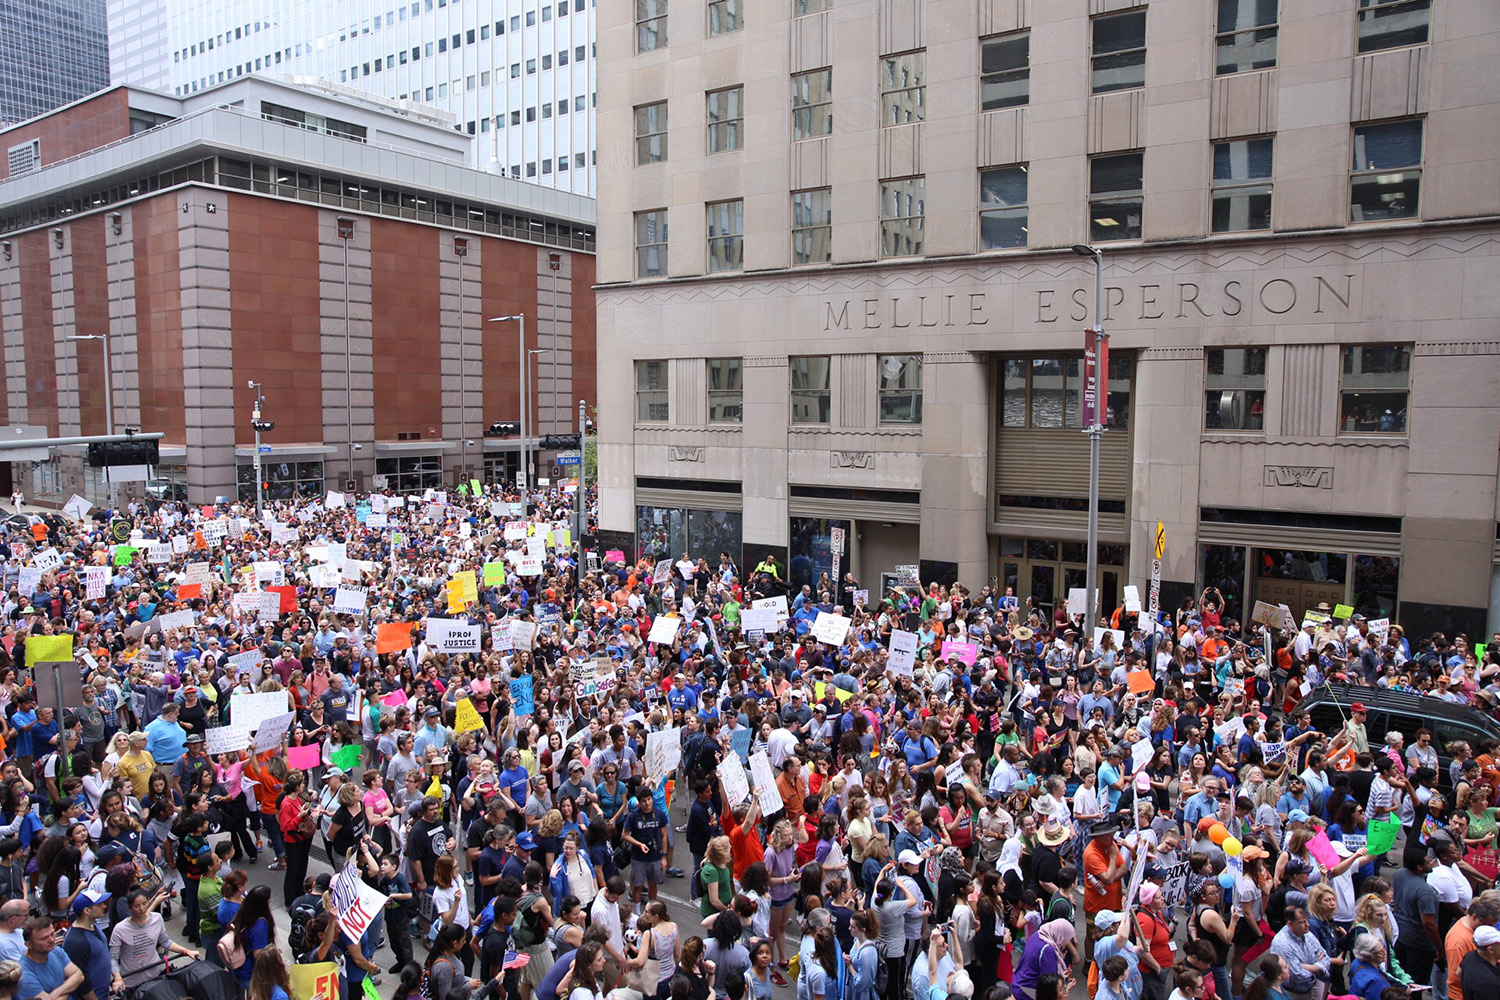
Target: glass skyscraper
(52, 52)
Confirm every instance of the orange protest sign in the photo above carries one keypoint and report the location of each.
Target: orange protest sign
(1140, 681)
(187, 591)
(393, 638)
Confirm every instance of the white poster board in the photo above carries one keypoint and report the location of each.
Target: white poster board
(272, 731)
(453, 637)
(764, 777)
(663, 753)
(830, 628)
(248, 710)
(759, 620)
(903, 656)
(736, 783)
(664, 629)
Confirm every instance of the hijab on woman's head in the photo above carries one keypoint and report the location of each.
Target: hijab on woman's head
(1058, 933)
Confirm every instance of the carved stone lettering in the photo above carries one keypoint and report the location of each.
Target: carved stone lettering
(851, 459)
(905, 312)
(684, 453)
(1313, 477)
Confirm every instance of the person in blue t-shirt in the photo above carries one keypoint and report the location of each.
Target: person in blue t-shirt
(920, 751)
(681, 696)
(45, 968)
(25, 722)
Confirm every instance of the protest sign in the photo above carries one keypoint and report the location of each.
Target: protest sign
(522, 634)
(304, 758)
(1140, 681)
(393, 637)
(739, 741)
(663, 753)
(494, 574)
(315, 981)
(96, 582)
(196, 572)
(356, 903)
(248, 710)
(272, 731)
(581, 674)
(226, 739)
(1174, 889)
(466, 717)
(178, 619)
(761, 620)
(764, 778)
(1273, 753)
(30, 580)
(903, 652)
(48, 649)
(664, 629)
(831, 629)
(159, 553)
(447, 636)
(966, 652)
(179, 545)
(1380, 836)
(736, 784)
(467, 584)
(662, 572)
(500, 638)
(522, 695)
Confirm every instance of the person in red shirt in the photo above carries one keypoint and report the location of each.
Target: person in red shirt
(739, 827)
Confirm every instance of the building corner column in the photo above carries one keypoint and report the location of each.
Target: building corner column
(956, 415)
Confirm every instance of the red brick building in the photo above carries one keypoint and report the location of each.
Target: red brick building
(338, 253)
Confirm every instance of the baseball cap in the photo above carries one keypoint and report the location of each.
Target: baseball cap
(431, 713)
(137, 737)
(1358, 706)
(910, 858)
(85, 899)
(526, 841)
(1296, 866)
(324, 881)
(1106, 919)
(1297, 816)
(1485, 936)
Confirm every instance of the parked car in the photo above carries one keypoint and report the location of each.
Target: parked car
(166, 489)
(1398, 711)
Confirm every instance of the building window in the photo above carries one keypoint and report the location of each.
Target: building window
(651, 391)
(902, 205)
(1115, 186)
(724, 16)
(811, 400)
(1002, 208)
(812, 226)
(1119, 53)
(1390, 24)
(650, 25)
(901, 389)
(284, 481)
(668, 532)
(725, 391)
(1005, 71)
(726, 235)
(408, 474)
(903, 88)
(1235, 386)
(812, 104)
(800, 7)
(1373, 390)
(1387, 177)
(1246, 37)
(726, 119)
(1047, 392)
(651, 243)
(650, 133)
(1242, 185)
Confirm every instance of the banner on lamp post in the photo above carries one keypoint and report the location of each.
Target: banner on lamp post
(1095, 377)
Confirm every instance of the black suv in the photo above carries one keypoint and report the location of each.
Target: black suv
(1398, 711)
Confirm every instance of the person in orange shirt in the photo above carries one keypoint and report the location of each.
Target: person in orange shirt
(269, 772)
(739, 826)
(1104, 868)
(793, 789)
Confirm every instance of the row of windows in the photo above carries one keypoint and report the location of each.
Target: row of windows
(899, 383)
(577, 54)
(1245, 36)
(1374, 388)
(578, 103)
(1384, 183)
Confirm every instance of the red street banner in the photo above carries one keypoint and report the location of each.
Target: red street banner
(1095, 377)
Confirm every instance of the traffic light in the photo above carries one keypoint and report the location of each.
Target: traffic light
(504, 429)
(105, 454)
(559, 442)
(263, 425)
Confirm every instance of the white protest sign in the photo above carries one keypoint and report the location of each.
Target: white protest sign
(1140, 754)
(453, 637)
(351, 600)
(334, 500)
(662, 572)
(355, 902)
(1380, 628)
(272, 731)
(269, 571)
(500, 637)
(663, 753)
(247, 710)
(1230, 730)
(30, 581)
(903, 655)
(664, 629)
(248, 660)
(759, 620)
(1077, 601)
(736, 783)
(514, 531)
(1273, 753)
(77, 507)
(196, 572)
(1132, 599)
(159, 553)
(529, 565)
(178, 619)
(377, 520)
(861, 598)
(179, 544)
(377, 504)
(47, 561)
(778, 602)
(1118, 634)
(247, 601)
(522, 634)
(96, 582)
(764, 777)
(227, 739)
(830, 628)
(214, 531)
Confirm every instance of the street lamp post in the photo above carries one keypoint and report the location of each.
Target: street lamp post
(259, 425)
(109, 401)
(533, 352)
(521, 353)
(554, 262)
(1095, 430)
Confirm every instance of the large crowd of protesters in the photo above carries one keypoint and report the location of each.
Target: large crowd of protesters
(1020, 811)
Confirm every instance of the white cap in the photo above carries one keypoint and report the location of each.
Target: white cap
(910, 858)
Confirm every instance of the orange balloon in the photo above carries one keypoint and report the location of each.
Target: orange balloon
(1218, 833)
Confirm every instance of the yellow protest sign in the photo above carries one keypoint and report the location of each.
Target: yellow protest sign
(456, 599)
(48, 649)
(318, 981)
(467, 718)
(466, 581)
(843, 695)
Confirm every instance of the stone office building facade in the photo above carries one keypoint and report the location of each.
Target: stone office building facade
(875, 323)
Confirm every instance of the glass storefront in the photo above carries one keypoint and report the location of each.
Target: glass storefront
(1300, 579)
(668, 532)
(811, 550)
(284, 480)
(1044, 570)
(411, 473)
(501, 467)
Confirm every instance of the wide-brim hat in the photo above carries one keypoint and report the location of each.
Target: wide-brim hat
(1054, 833)
(1023, 634)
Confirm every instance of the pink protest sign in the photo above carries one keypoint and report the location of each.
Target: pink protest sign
(615, 555)
(967, 652)
(1320, 848)
(303, 758)
(395, 699)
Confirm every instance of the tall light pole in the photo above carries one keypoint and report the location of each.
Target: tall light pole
(583, 477)
(533, 352)
(260, 425)
(461, 250)
(1099, 350)
(109, 401)
(521, 354)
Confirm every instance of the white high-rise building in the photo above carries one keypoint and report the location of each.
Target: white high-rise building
(517, 74)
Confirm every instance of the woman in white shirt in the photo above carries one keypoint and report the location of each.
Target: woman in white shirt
(448, 900)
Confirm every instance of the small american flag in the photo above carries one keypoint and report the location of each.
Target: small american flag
(515, 960)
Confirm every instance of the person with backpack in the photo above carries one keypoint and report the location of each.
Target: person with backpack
(210, 894)
(302, 911)
(529, 932)
(871, 974)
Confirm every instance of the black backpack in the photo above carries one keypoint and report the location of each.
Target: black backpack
(1276, 909)
(304, 908)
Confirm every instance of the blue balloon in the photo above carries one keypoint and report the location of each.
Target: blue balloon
(1226, 879)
